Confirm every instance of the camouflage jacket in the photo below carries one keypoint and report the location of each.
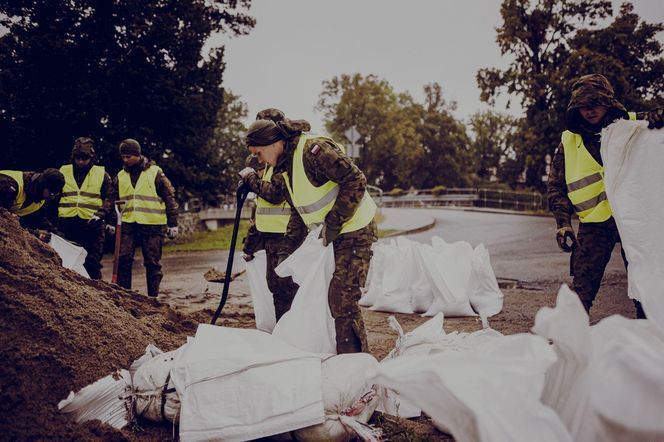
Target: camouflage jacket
(326, 163)
(273, 191)
(163, 187)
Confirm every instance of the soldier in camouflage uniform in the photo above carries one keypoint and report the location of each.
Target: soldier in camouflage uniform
(149, 215)
(347, 218)
(81, 224)
(592, 107)
(33, 197)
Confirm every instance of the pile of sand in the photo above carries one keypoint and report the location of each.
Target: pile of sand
(60, 331)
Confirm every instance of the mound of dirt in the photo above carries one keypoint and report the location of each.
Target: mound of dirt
(60, 331)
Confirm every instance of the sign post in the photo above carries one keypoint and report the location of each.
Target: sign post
(353, 136)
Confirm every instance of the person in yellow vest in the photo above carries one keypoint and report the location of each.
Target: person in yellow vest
(324, 188)
(84, 203)
(576, 184)
(33, 197)
(149, 215)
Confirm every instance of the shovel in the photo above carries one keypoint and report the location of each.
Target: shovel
(119, 210)
(241, 195)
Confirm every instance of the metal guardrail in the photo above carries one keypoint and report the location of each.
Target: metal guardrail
(467, 197)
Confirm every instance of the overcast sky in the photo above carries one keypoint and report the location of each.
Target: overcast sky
(297, 44)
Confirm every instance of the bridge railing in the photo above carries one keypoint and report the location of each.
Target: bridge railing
(467, 197)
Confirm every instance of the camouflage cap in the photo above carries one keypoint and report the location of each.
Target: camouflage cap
(263, 133)
(271, 113)
(253, 162)
(83, 146)
(52, 179)
(588, 91)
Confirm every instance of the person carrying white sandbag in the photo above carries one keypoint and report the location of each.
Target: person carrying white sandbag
(576, 183)
(325, 187)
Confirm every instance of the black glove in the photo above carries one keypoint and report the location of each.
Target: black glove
(328, 234)
(43, 235)
(655, 119)
(566, 235)
(243, 187)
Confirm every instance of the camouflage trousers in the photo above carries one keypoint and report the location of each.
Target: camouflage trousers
(151, 240)
(90, 236)
(588, 261)
(352, 255)
(277, 249)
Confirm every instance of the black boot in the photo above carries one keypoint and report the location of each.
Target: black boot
(640, 314)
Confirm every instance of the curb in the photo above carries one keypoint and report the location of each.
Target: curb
(411, 231)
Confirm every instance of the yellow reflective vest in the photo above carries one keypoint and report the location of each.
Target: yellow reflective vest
(18, 208)
(314, 203)
(585, 179)
(143, 206)
(271, 218)
(85, 201)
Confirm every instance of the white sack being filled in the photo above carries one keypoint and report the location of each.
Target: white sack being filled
(261, 297)
(73, 256)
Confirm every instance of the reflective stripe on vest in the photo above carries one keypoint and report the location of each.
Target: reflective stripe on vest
(314, 203)
(271, 218)
(585, 180)
(17, 207)
(83, 202)
(143, 206)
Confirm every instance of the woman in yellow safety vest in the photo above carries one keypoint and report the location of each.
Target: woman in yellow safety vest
(324, 188)
(576, 184)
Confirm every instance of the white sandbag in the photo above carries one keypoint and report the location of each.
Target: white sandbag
(261, 297)
(155, 396)
(72, 256)
(399, 271)
(633, 155)
(374, 285)
(241, 384)
(447, 267)
(107, 400)
(422, 292)
(308, 325)
(349, 399)
(483, 290)
(488, 393)
(150, 352)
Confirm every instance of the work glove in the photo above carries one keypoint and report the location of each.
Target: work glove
(655, 119)
(328, 234)
(566, 239)
(247, 257)
(172, 232)
(44, 236)
(244, 173)
(110, 228)
(94, 220)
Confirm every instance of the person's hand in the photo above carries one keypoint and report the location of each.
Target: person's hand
(566, 239)
(247, 257)
(44, 236)
(655, 119)
(94, 220)
(328, 234)
(172, 232)
(244, 173)
(110, 228)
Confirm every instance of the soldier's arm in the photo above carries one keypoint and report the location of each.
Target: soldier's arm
(253, 242)
(556, 190)
(106, 189)
(273, 191)
(328, 162)
(8, 191)
(113, 196)
(654, 117)
(166, 191)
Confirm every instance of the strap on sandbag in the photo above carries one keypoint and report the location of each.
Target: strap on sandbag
(164, 392)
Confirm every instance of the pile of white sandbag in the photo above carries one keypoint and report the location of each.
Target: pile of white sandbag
(409, 277)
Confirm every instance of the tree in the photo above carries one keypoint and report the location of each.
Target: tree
(493, 146)
(113, 70)
(553, 42)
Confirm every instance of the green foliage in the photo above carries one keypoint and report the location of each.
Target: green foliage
(219, 239)
(404, 143)
(396, 192)
(113, 70)
(553, 42)
(438, 190)
(492, 146)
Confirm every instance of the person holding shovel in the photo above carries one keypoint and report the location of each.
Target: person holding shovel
(324, 188)
(84, 203)
(149, 213)
(576, 184)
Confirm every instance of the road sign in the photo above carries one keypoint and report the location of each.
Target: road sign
(353, 136)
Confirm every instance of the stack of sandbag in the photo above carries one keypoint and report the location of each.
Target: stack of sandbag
(480, 386)
(633, 156)
(453, 278)
(608, 382)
